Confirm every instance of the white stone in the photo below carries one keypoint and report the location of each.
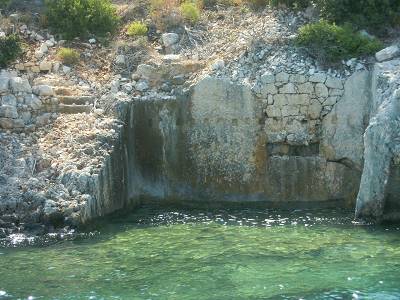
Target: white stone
(218, 65)
(43, 90)
(169, 39)
(334, 83)
(268, 89)
(66, 69)
(8, 111)
(318, 78)
(33, 102)
(19, 84)
(267, 77)
(289, 88)
(92, 41)
(282, 77)
(4, 83)
(297, 78)
(387, 53)
(321, 90)
(45, 66)
(120, 59)
(306, 88)
(142, 85)
(9, 100)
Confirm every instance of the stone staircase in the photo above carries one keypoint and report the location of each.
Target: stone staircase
(71, 99)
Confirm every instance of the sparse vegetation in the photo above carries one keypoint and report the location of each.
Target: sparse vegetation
(330, 43)
(68, 56)
(137, 29)
(10, 49)
(78, 18)
(165, 13)
(4, 3)
(190, 12)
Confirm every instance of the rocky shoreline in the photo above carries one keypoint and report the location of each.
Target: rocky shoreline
(61, 127)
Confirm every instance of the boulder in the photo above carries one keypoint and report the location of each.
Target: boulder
(4, 83)
(169, 39)
(19, 84)
(43, 90)
(8, 111)
(388, 53)
(33, 101)
(6, 123)
(9, 100)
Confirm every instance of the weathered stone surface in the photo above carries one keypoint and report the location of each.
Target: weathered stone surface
(33, 101)
(45, 66)
(9, 100)
(4, 84)
(306, 88)
(321, 90)
(381, 145)
(169, 39)
(388, 53)
(43, 90)
(288, 88)
(344, 126)
(334, 83)
(318, 78)
(19, 84)
(282, 77)
(8, 111)
(267, 77)
(7, 123)
(297, 78)
(268, 89)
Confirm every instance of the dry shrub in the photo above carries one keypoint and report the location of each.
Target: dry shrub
(166, 13)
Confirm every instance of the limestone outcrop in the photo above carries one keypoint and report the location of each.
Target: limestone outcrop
(381, 145)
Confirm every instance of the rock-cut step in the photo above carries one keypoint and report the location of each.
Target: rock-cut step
(74, 109)
(78, 100)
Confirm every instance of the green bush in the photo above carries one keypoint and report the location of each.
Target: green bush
(190, 12)
(68, 56)
(330, 43)
(137, 29)
(4, 3)
(10, 49)
(374, 15)
(78, 18)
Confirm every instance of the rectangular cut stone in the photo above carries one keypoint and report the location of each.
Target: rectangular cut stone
(280, 100)
(298, 99)
(4, 84)
(290, 110)
(8, 111)
(289, 88)
(297, 78)
(268, 89)
(273, 111)
(318, 78)
(306, 88)
(282, 77)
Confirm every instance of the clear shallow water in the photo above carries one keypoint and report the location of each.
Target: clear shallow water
(222, 254)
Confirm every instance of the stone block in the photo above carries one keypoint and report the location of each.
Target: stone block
(334, 83)
(388, 53)
(289, 88)
(8, 111)
(306, 88)
(9, 100)
(321, 90)
(268, 89)
(318, 78)
(267, 77)
(19, 84)
(6, 123)
(282, 77)
(43, 90)
(297, 78)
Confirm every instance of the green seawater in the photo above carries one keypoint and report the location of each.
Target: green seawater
(177, 253)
